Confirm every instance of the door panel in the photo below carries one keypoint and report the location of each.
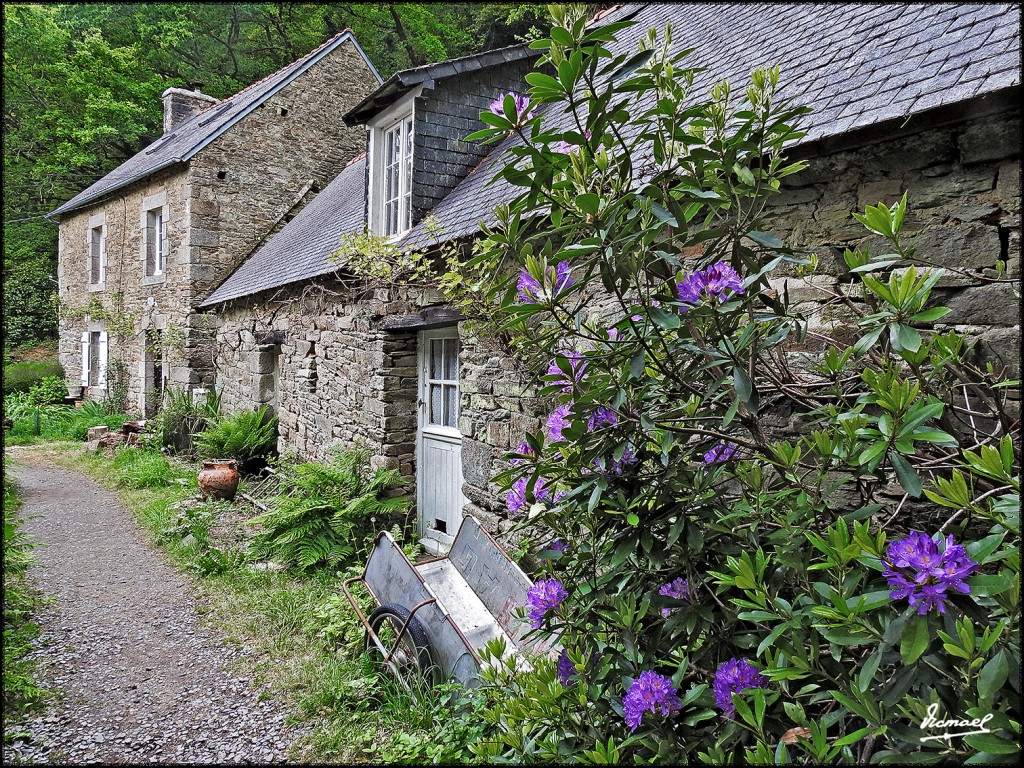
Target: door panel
(439, 498)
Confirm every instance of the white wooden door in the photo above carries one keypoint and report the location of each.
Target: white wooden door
(439, 498)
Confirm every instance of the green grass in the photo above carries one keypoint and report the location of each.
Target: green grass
(20, 690)
(306, 638)
(55, 422)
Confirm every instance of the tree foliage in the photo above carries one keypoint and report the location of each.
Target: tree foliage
(82, 85)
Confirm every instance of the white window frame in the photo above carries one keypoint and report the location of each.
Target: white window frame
(98, 339)
(97, 223)
(155, 215)
(400, 116)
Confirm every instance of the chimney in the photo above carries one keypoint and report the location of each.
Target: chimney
(180, 105)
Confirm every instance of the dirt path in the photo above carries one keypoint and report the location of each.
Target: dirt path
(142, 680)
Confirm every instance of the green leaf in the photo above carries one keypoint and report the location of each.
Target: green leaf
(992, 676)
(588, 202)
(867, 672)
(916, 636)
(907, 475)
(989, 742)
(766, 239)
(989, 585)
(561, 36)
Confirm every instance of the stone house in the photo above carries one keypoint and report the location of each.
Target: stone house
(141, 248)
(923, 99)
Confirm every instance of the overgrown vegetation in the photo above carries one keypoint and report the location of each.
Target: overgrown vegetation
(248, 436)
(327, 512)
(181, 417)
(22, 377)
(770, 555)
(55, 422)
(21, 691)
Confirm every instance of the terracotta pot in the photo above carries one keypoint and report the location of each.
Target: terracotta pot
(219, 479)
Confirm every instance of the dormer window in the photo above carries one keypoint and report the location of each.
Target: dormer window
(391, 151)
(397, 173)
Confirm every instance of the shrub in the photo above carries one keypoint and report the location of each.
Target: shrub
(180, 419)
(21, 377)
(246, 436)
(48, 391)
(326, 512)
(751, 571)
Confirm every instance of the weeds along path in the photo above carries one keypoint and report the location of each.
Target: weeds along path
(140, 679)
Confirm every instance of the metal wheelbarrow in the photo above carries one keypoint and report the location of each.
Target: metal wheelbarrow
(432, 617)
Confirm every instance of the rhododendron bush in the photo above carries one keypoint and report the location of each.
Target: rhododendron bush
(773, 544)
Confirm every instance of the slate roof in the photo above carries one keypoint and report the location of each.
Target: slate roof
(303, 247)
(191, 136)
(400, 82)
(855, 65)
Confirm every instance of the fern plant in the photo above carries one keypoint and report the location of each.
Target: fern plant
(325, 512)
(246, 436)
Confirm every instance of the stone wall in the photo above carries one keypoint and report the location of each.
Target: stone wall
(220, 206)
(963, 187)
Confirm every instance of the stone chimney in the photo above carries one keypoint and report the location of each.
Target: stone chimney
(180, 105)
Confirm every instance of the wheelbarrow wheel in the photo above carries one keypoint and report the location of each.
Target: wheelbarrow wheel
(411, 657)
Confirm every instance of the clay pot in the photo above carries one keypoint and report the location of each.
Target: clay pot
(219, 478)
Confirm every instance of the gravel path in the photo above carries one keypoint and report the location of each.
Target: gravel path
(142, 680)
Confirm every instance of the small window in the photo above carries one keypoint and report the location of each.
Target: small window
(443, 382)
(97, 254)
(156, 242)
(395, 163)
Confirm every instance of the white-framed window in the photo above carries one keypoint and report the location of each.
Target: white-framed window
(97, 244)
(391, 164)
(156, 242)
(155, 248)
(94, 358)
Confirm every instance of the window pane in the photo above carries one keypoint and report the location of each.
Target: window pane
(451, 405)
(435, 416)
(436, 357)
(451, 359)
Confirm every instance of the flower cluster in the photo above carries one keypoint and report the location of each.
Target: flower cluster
(566, 669)
(557, 421)
(678, 588)
(602, 416)
(515, 499)
(578, 375)
(735, 676)
(556, 279)
(719, 453)
(922, 573)
(557, 545)
(716, 283)
(522, 106)
(544, 596)
(615, 466)
(650, 692)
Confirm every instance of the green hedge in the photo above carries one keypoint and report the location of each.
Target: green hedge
(21, 377)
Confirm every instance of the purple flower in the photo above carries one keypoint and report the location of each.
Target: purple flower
(602, 416)
(544, 596)
(615, 466)
(735, 676)
(922, 574)
(515, 499)
(523, 448)
(638, 318)
(557, 545)
(650, 692)
(566, 669)
(719, 453)
(678, 588)
(577, 365)
(717, 282)
(522, 104)
(556, 280)
(557, 421)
